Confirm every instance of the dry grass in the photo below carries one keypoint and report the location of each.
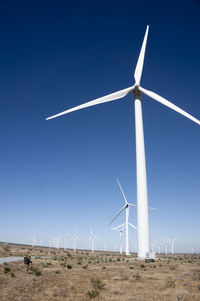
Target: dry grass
(100, 276)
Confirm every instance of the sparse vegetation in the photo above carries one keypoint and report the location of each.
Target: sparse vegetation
(162, 279)
(97, 283)
(36, 271)
(92, 294)
(6, 270)
(57, 272)
(46, 264)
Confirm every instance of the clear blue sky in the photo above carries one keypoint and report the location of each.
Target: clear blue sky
(59, 175)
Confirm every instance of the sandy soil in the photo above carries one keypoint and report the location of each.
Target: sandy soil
(65, 275)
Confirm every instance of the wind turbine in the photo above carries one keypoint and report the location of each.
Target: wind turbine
(165, 242)
(171, 240)
(74, 238)
(142, 196)
(127, 223)
(92, 238)
(65, 242)
(120, 229)
(34, 240)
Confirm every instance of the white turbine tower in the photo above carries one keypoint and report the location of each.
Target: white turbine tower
(65, 242)
(142, 197)
(92, 238)
(74, 238)
(120, 229)
(165, 242)
(172, 240)
(34, 240)
(127, 223)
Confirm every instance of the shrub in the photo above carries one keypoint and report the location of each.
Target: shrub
(6, 270)
(12, 274)
(36, 271)
(152, 260)
(97, 283)
(169, 283)
(92, 294)
(136, 276)
(85, 267)
(131, 267)
(69, 266)
(57, 272)
(79, 263)
(46, 264)
(103, 268)
(63, 264)
(142, 266)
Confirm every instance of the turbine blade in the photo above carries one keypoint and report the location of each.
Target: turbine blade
(117, 228)
(133, 226)
(122, 191)
(132, 205)
(140, 62)
(107, 98)
(168, 104)
(117, 215)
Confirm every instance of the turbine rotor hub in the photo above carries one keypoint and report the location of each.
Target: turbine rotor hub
(136, 91)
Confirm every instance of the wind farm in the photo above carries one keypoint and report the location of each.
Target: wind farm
(143, 242)
(100, 143)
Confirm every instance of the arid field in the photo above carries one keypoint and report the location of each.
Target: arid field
(65, 275)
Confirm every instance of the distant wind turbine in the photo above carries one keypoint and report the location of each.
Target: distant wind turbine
(120, 229)
(34, 241)
(127, 223)
(142, 196)
(65, 242)
(165, 242)
(74, 238)
(172, 240)
(92, 238)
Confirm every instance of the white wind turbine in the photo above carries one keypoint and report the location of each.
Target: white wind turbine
(120, 229)
(165, 242)
(74, 238)
(172, 240)
(34, 240)
(65, 242)
(127, 223)
(142, 196)
(92, 238)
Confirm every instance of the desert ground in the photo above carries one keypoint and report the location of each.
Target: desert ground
(66, 275)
